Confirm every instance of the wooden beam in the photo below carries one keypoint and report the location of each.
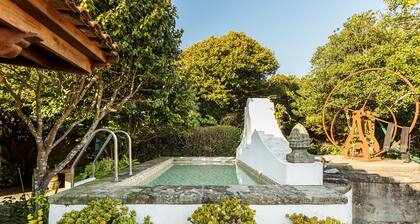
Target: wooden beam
(14, 16)
(35, 56)
(43, 11)
(405, 142)
(388, 137)
(63, 67)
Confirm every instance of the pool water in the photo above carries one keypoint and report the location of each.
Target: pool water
(192, 175)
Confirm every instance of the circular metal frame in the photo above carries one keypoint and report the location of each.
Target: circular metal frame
(330, 135)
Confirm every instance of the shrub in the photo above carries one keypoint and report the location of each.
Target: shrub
(13, 212)
(226, 212)
(303, 219)
(31, 211)
(324, 148)
(106, 211)
(213, 141)
(37, 209)
(8, 175)
(147, 220)
(104, 167)
(231, 119)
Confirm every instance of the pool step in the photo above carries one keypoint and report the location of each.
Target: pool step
(277, 145)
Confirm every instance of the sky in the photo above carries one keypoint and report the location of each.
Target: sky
(292, 29)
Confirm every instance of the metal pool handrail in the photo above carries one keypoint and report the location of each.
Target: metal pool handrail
(112, 134)
(130, 163)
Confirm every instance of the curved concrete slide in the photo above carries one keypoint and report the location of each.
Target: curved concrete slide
(264, 148)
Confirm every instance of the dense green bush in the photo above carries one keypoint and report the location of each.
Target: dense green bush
(303, 219)
(32, 211)
(324, 148)
(213, 141)
(147, 220)
(106, 211)
(104, 167)
(228, 211)
(8, 175)
(37, 209)
(13, 212)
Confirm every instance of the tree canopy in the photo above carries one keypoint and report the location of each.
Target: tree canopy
(370, 39)
(149, 43)
(143, 83)
(225, 71)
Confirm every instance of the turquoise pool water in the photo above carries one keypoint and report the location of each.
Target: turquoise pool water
(192, 175)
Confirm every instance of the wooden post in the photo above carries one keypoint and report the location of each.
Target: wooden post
(388, 137)
(405, 142)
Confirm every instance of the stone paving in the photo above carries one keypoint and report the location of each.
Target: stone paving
(385, 191)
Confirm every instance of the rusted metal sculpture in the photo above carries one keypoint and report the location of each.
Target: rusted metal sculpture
(361, 141)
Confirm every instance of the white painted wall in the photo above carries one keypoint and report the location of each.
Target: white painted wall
(178, 214)
(264, 148)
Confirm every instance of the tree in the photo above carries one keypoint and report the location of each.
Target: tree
(225, 71)
(165, 104)
(282, 89)
(52, 104)
(368, 39)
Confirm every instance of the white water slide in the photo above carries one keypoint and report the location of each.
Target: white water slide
(264, 148)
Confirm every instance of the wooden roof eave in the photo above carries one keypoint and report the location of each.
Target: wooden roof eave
(62, 26)
(23, 22)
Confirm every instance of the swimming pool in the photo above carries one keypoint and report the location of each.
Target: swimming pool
(159, 187)
(193, 175)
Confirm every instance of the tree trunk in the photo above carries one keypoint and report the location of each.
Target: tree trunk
(41, 175)
(40, 182)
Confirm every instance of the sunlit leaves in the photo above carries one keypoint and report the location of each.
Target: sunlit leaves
(225, 70)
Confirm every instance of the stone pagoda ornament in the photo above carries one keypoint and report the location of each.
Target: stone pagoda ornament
(299, 142)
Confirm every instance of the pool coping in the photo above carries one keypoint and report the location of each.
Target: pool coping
(255, 195)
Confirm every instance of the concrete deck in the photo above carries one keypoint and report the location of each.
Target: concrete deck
(386, 170)
(386, 191)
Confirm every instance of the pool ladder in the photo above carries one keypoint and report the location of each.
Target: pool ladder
(112, 135)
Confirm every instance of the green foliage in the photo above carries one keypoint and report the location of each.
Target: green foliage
(143, 90)
(212, 141)
(201, 141)
(367, 39)
(13, 212)
(324, 148)
(32, 211)
(281, 89)
(104, 167)
(8, 175)
(149, 42)
(106, 211)
(225, 71)
(230, 119)
(303, 219)
(147, 220)
(228, 211)
(394, 5)
(37, 209)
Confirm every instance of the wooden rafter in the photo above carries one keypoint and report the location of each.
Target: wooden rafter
(66, 37)
(62, 26)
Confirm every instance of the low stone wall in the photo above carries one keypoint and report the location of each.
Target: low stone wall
(386, 191)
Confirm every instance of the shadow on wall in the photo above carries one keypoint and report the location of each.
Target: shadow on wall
(391, 196)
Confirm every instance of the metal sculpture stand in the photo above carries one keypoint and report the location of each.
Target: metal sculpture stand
(361, 141)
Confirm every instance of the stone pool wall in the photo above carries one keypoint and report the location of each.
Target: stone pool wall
(174, 204)
(387, 191)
